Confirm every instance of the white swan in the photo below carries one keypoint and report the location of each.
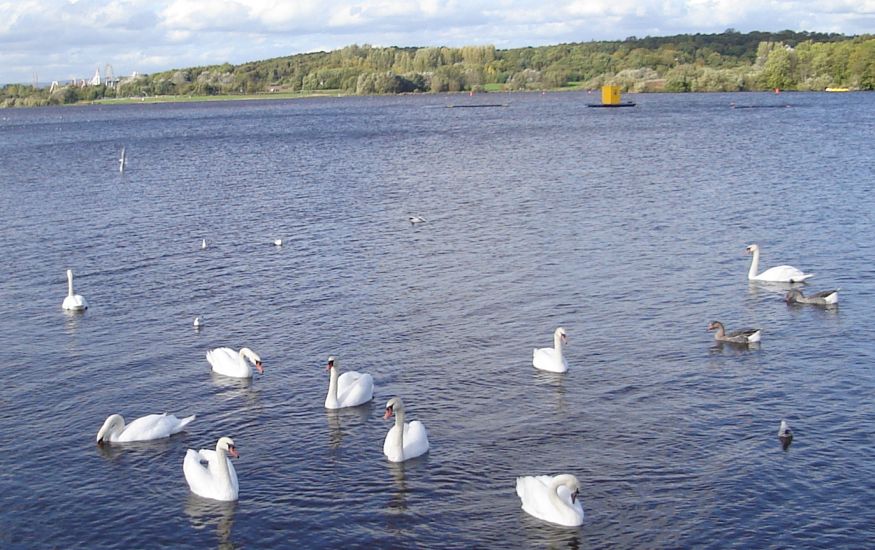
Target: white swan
(552, 359)
(348, 389)
(73, 302)
(779, 274)
(232, 363)
(277, 242)
(218, 479)
(416, 219)
(145, 428)
(405, 440)
(198, 322)
(553, 499)
(203, 244)
(122, 161)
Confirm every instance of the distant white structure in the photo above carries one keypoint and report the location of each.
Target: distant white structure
(95, 80)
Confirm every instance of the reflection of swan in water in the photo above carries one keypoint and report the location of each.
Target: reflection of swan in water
(398, 502)
(337, 418)
(203, 513)
(553, 380)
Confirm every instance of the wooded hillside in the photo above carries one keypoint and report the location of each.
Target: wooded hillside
(729, 61)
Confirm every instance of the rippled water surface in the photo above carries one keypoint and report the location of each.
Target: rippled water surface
(626, 226)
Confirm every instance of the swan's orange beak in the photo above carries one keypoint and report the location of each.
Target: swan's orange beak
(388, 414)
(233, 452)
(329, 365)
(259, 367)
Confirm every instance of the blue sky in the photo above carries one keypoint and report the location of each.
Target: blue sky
(63, 39)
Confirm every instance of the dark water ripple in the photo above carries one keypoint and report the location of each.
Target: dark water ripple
(628, 228)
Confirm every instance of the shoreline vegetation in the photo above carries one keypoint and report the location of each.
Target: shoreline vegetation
(726, 62)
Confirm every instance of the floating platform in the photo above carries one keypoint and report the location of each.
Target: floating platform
(627, 104)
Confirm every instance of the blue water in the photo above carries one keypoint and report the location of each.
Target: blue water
(626, 226)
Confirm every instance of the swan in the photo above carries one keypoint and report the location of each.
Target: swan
(416, 219)
(404, 440)
(740, 336)
(228, 362)
(122, 161)
(822, 298)
(779, 274)
(145, 428)
(551, 359)
(553, 499)
(73, 302)
(198, 322)
(203, 244)
(277, 242)
(218, 479)
(348, 389)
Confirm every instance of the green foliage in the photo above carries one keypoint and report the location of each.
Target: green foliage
(729, 61)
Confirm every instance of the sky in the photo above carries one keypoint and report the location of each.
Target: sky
(65, 39)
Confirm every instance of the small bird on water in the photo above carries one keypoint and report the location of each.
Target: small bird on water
(785, 435)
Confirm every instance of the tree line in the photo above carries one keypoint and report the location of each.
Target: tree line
(728, 61)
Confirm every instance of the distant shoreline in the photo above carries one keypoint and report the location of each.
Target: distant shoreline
(340, 93)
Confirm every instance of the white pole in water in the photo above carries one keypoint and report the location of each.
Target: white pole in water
(122, 161)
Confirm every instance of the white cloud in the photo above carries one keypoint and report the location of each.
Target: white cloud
(57, 38)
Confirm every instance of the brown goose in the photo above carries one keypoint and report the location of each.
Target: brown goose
(823, 298)
(741, 336)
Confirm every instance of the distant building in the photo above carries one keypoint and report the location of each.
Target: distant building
(95, 81)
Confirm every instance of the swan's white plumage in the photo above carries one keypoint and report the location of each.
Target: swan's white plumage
(145, 428)
(228, 362)
(405, 440)
(73, 302)
(552, 359)
(549, 498)
(211, 474)
(779, 274)
(198, 322)
(348, 389)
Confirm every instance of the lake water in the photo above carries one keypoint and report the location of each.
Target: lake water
(625, 226)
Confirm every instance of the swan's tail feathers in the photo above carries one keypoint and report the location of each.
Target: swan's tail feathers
(186, 421)
(755, 337)
(802, 277)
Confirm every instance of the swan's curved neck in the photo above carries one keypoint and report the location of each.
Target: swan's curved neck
(557, 344)
(754, 265)
(721, 332)
(332, 384)
(69, 283)
(553, 492)
(222, 465)
(398, 442)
